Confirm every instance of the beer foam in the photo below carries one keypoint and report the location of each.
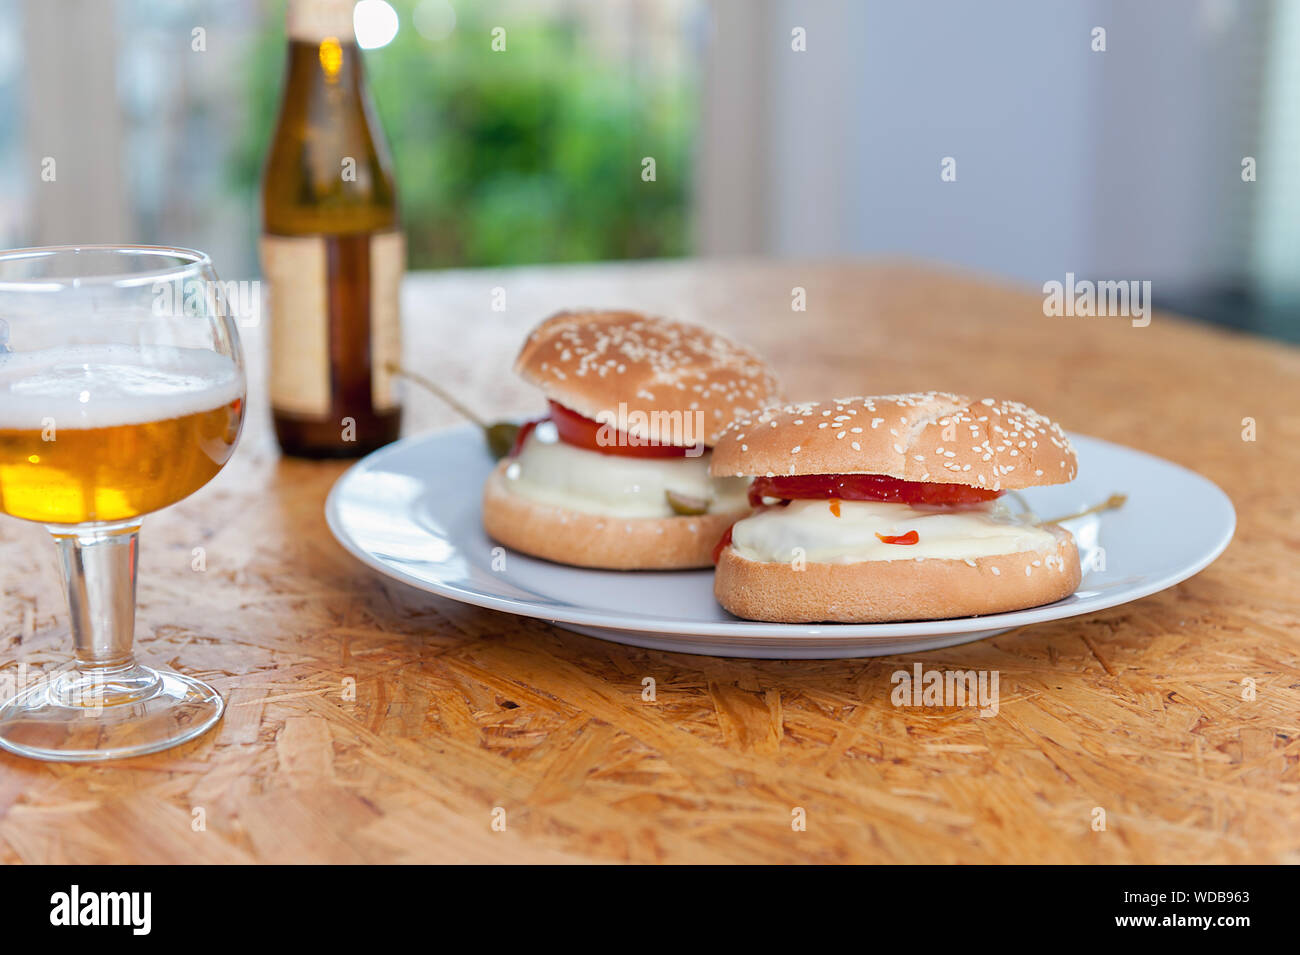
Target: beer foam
(102, 386)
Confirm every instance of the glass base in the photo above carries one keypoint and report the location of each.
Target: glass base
(88, 715)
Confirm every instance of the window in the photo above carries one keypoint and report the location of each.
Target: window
(534, 154)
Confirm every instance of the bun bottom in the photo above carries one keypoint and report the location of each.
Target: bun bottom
(597, 540)
(877, 591)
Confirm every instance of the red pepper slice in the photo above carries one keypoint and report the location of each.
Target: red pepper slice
(522, 434)
(911, 537)
(865, 487)
(722, 545)
(583, 432)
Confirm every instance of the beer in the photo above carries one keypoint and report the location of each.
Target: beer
(332, 250)
(111, 432)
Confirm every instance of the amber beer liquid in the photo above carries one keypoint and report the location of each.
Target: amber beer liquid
(332, 250)
(104, 433)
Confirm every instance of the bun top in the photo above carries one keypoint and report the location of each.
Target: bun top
(931, 436)
(667, 382)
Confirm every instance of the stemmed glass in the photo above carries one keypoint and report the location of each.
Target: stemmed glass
(121, 392)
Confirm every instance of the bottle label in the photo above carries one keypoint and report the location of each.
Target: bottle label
(295, 273)
(387, 263)
(309, 305)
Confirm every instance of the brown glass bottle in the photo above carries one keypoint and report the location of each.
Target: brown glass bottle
(332, 249)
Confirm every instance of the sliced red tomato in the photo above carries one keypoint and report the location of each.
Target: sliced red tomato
(583, 432)
(864, 487)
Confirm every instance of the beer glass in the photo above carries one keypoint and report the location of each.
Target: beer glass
(121, 392)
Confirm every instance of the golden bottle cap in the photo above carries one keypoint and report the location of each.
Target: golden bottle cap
(314, 20)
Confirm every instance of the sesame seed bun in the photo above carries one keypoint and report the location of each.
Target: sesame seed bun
(593, 361)
(595, 540)
(883, 590)
(932, 437)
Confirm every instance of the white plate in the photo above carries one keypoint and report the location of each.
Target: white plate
(411, 511)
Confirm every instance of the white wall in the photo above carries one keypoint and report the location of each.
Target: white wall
(1124, 163)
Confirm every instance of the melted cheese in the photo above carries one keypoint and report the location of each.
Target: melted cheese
(954, 533)
(552, 472)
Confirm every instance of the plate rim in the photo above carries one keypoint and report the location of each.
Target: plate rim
(750, 628)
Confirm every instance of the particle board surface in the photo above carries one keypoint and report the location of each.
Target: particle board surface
(368, 722)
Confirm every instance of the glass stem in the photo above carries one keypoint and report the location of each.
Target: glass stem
(99, 565)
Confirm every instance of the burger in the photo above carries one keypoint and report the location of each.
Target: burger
(891, 508)
(616, 474)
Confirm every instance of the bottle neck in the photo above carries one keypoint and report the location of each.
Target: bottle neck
(325, 65)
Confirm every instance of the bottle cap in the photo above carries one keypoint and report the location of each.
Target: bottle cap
(314, 20)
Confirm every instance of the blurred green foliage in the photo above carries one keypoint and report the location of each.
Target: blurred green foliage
(529, 155)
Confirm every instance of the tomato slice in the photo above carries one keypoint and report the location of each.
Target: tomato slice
(865, 487)
(583, 432)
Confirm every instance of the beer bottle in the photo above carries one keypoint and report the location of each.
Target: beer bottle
(332, 250)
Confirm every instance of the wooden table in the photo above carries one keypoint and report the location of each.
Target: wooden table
(460, 713)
